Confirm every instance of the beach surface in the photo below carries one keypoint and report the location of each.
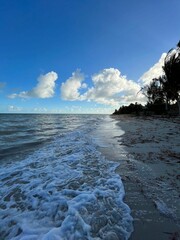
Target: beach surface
(149, 151)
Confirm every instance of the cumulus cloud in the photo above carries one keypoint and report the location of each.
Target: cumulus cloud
(154, 72)
(45, 87)
(109, 88)
(70, 88)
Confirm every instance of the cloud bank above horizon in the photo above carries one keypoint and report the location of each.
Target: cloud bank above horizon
(108, 87)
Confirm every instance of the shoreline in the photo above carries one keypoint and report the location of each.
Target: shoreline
(150, 172)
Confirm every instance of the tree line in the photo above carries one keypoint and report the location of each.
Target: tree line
(163, 93)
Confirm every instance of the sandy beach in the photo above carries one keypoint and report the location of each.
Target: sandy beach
(150, 171)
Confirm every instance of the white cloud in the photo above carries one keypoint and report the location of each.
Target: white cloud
(22, 94)
(112, 88)
(70, 88)
(154, 72)
(109, 88)
(45, 87)
(13, 108)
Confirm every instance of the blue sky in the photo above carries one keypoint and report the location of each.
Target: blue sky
(78, 56)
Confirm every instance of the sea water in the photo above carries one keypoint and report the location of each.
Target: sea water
(55, 183)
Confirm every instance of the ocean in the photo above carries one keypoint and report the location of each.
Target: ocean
(56, 183)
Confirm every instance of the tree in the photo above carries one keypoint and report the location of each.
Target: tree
(172, 73)
(178, 45)
(154, 91)
(131, 109)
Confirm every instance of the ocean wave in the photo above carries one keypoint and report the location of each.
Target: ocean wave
(65, 190)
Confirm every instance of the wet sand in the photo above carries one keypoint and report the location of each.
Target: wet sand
(150, 171)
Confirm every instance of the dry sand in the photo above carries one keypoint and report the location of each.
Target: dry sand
(150, 170)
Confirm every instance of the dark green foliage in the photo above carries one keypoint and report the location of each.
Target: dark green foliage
(131, 109)
(157, 108)
(155, 92)
(172, 72)
(161, 91)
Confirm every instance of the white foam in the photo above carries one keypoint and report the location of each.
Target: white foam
(66, 190)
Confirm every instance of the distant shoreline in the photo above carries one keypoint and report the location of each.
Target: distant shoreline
(11, 113)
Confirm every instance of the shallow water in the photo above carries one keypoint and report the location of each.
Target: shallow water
(62, 188)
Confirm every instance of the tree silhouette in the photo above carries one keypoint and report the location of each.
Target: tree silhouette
(155, 91)
(172, 73)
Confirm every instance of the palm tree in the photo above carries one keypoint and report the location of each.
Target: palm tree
(172, 72)
(154, 91)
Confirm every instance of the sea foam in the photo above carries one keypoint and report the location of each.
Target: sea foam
(65, 190)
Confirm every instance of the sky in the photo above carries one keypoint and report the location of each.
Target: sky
(82, 56)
